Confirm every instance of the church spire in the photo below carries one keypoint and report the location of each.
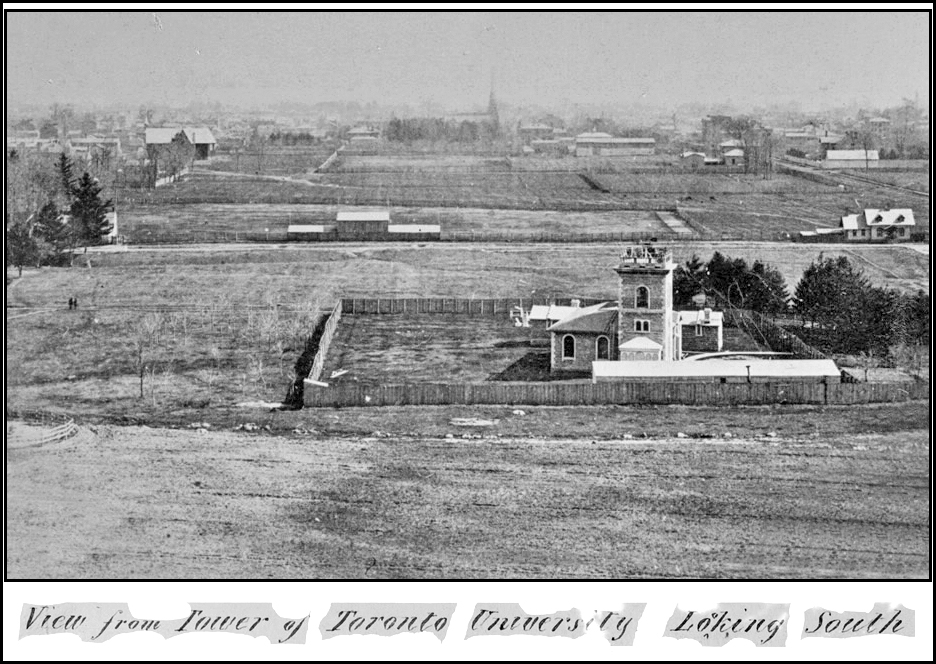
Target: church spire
(492, 106)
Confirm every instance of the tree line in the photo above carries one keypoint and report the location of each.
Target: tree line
(51, 213)
(408, 130)
(839, 311)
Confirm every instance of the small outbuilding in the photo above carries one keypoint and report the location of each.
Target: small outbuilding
(363, 222)
(701, 330)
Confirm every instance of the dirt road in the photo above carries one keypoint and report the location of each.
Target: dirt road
(134, 502)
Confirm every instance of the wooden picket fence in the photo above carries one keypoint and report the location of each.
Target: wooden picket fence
(325, 342)
(587, 394)
(451, 305)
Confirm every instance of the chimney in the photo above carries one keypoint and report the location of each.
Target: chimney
(708, 315)
(576, 303)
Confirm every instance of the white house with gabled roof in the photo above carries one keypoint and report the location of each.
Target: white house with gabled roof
(871, 225)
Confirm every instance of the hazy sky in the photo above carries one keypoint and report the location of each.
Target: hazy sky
(665, 58)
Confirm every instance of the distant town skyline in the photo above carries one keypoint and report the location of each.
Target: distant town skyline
(545, 58)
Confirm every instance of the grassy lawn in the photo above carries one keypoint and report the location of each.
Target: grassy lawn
(232, 323)
(420, 348)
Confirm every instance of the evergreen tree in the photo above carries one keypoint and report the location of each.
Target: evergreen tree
(66, 175)
(89, 212)
(766, 289)
(21, 247)
(688, 281)
(50, 227)
(837, 302)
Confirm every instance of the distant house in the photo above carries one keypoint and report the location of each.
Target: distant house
(729, 145)
(692, 160)
(584, 336)
(95, 144)
(878, 225)
(111, 238)
(200, 137)
(157, 136)
(24, 139)
(599, 144)
(827, 143)
(734, 157)
(879, 126)
(806, 142)
(363, 132)
(203, 140)
(851, 159)
(701, 330)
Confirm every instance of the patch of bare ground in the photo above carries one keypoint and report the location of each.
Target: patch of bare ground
(135, 502)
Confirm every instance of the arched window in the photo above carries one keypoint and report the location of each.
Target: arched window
(641, 326)
(642, 300)
(602, 349)
(568, 347)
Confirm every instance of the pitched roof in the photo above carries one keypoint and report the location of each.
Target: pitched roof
(604, 138)
(162, 135)
(896, 217)
(872, 218)
(199, 135)
(697, 317)
(596, 319)
(370, 215)
(734, 153)
(551, 312)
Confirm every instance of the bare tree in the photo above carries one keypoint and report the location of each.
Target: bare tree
(145, 338)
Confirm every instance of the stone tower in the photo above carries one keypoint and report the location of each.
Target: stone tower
(647, 329)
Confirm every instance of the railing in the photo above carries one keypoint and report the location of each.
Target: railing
(60, 432)
(761, 328)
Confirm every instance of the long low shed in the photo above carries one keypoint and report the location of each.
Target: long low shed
(718, 371)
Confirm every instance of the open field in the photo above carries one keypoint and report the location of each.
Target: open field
(714, 183)
(133, 502)
(917, 180)
(276, 160)
(419, 348)
(146, 223)
(226, 339)
(715, 203)
(419, 163)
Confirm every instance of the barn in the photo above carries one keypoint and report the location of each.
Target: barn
(367, 222)
(599, 144)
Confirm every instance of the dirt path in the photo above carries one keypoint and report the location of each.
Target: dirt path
(135, 502)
